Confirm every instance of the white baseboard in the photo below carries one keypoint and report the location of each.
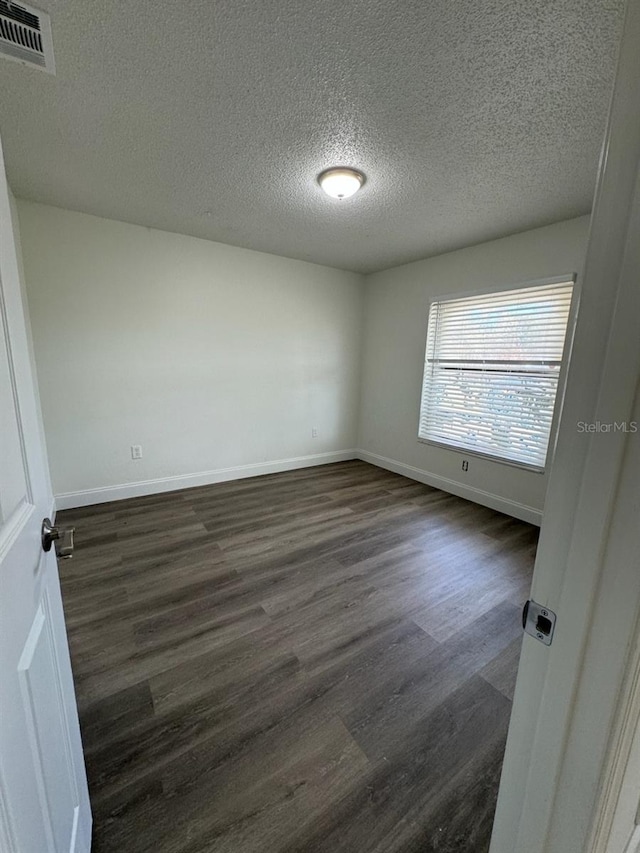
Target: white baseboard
(513, 508)
(87, 497)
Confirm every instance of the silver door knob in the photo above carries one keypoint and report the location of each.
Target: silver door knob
(62, 536)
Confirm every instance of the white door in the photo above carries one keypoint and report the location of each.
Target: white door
(567, 693)
(44, 803)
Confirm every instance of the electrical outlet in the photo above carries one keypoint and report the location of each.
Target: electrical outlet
(136, 451)
(465, 465)
(314, 432)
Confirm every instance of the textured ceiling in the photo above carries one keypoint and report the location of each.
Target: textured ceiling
(471, 120)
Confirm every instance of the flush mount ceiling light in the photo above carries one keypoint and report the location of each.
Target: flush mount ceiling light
(340, 182)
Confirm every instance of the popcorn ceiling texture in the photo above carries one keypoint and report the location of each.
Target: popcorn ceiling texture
(471, 120)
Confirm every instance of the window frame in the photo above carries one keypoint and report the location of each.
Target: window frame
(569, 278)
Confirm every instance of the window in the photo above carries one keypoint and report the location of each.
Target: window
(491, 372)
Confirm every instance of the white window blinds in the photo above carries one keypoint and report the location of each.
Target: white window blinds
(491, 372)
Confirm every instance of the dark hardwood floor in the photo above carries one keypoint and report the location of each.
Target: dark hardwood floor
(320, 661)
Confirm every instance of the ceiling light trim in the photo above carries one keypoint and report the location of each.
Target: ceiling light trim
(341, 182)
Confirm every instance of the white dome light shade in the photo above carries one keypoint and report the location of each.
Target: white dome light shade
(341, 182)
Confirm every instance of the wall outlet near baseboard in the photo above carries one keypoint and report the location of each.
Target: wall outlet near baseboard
(465, 465)
(136, 451)
(314, 432)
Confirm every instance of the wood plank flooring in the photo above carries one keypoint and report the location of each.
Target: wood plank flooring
(320, 661)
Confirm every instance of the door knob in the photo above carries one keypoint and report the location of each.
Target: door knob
(62, 536)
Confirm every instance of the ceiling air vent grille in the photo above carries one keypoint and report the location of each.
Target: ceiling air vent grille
(25, 35)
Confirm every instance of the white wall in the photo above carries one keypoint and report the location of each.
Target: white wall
(210, 357)
(220, 361)
(396, 309)
(23, 289)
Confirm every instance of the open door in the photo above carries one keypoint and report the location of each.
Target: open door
(556, 790)
(44, 802)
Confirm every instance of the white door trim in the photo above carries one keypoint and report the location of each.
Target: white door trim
(625, 736)
(634, 842)
(7, 840)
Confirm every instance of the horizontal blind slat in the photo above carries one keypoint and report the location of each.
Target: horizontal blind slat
(491, 372)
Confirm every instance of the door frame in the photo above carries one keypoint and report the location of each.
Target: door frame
(567, 695)
(615, 824)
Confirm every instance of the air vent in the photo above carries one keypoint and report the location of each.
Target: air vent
(25, 35)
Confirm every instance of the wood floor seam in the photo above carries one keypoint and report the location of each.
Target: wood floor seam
(315, 661)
